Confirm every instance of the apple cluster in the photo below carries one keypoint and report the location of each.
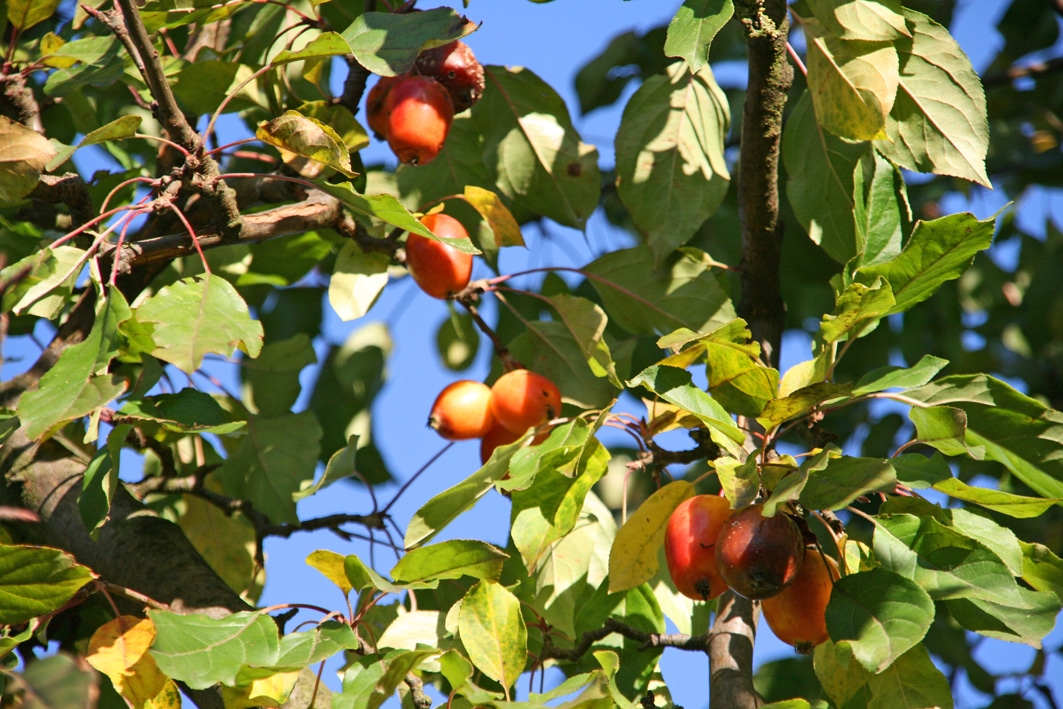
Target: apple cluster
(499, 414)
(413, 111)
(709, 548)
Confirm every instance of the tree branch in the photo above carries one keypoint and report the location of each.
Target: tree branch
(766, 25)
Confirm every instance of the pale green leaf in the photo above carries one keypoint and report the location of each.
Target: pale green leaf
(1042, 569)
(881, 211)
(853, 85)
(675, 386)
(357, 280)
(118, 129)
(913, 681)
(873, 20)
(671, 170)
(691, 31)
(326, 44)
(59, 681)
(740, 480)
(801, 402)
(24, 14)
(198, 316)
(53, 273)
(532, 149)
(493, 632)
(202, 651)
(1018, 506)
(941, 427)
(891, 377)
(586, 321)
(938, 123)
(844, 479)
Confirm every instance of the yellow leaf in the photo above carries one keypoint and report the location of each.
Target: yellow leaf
(119, 649)
(269, 691)
(168, 698)
(330, 564)
(633, 558)
(499, 218)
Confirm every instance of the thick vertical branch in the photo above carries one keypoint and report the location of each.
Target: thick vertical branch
(765, 24)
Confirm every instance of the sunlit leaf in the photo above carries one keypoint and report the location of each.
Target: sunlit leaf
(900, 377)
(938, 122)
(450, 560)
(633, 558)
(671, 170)
(24, 14)
(493, 631)
(532, 148)
(35, 581)
(497, 215)
(307, 137)
(675, 386)
(357, 280)
(880, 614)
(857, 310)
(198, 316)
(873, 20)
(853, 85)
(119, 649)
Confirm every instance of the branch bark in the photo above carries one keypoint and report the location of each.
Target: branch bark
(766, 25)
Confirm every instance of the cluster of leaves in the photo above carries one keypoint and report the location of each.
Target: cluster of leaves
(888, 90)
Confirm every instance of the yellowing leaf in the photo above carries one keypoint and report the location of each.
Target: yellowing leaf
(300, 135)
(24, 153)
(853, 85)
(499, 218)
(633, 558)
(24, 14)
(269, 691)
(119, 649)
(330, 564)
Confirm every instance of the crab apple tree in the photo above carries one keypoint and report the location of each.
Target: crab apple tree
(806, 280)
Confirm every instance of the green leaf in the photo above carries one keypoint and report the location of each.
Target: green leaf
(24, 14)
(35, 581)
(361, 577)
(737, 378)
(671, 170)
(913, 680)
(675, 386)
(388, 43)
(388, 209)
(819, 181)
(60, 681)
(1015, 430)
(45, 289)
(881, 210)
(201, 86)
(633, 559)
(682, 292)
(197, 316)
(450, 560)
(187, 410)
(275, 459)
(938, 251)
(872, 20)
(101, 481)
(341, 465)
(326, 44)
(298, 650)
(880, 614)
(76, 385)
(273, 377)
(202, 651)
(586, 321)
(857, 311)
(740, 480)
(397, 664)
(548, 509)
(691, 31)
(840, 677)
(555, 350)
(1042, 569)
(1018, 506)
(118, 129)
(941, 427)
(493, 632)
(458, 340)
(844, 479)
(892, 377)
(801, 402)
(442, 509)
(938, 122)
(532, 149)
(307, 137)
